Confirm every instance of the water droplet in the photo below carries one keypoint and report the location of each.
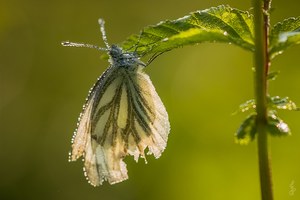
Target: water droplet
(279, 52)
(274, 116)
(283, 126)
(283, 37)
(284, 107)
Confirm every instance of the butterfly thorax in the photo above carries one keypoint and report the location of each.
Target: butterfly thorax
(120, 58)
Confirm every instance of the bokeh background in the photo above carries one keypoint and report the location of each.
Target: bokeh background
(43, 86)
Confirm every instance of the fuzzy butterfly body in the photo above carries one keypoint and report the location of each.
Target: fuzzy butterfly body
(123, 115)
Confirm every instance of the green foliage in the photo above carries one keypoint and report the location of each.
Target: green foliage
(273, 75)
(250, 104)
(274, 103)
(247, 130)
(283, 35)
(282, 103)
(276, 127)
(216, 24)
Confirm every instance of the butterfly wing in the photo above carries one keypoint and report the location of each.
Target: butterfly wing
(151, 124)
(82, 143)
(123, 115)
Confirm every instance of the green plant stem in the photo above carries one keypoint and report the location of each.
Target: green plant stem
(262, 62)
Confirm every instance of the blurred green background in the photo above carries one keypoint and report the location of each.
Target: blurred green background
(43, 87)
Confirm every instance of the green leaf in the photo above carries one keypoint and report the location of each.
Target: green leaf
(247, 130)
(282, 103)
(273, 75)
(248, 105)
(276, 126)
(216, 24)
(283, 35)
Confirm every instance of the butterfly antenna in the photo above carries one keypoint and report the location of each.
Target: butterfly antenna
(102, 29)
(73, 44)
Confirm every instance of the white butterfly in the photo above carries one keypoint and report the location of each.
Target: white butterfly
(123, 115)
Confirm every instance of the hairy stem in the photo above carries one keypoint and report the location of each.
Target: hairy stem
(262, 62)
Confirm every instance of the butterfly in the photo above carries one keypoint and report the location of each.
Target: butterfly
(123, 115)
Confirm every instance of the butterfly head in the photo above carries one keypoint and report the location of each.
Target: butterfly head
(120, 58)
